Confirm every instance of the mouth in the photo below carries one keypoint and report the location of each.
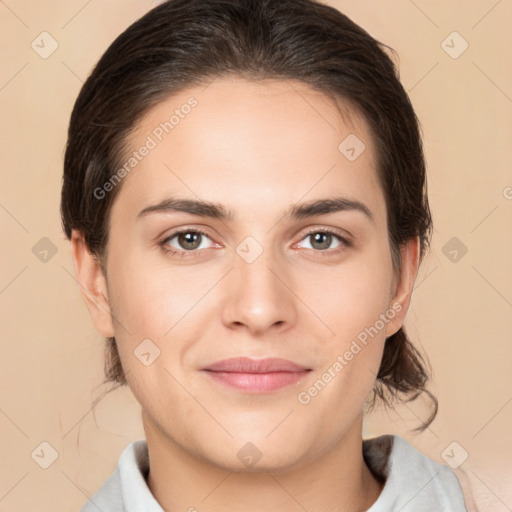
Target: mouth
(258, 382)
(256, 375)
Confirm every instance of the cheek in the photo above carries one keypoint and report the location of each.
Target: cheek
(355, 306)
(351, 297)
(354, 302)
(160, 314)
(151, 299)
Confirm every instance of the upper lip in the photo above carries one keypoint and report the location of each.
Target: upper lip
(248, 365)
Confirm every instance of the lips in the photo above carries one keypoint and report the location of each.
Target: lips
(256, 375)
(248, 365)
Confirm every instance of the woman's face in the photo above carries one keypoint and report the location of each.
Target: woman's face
(315, 288)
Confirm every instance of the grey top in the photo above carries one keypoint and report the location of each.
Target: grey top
(413, 481)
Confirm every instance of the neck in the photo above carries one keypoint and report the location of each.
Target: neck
(337, 480)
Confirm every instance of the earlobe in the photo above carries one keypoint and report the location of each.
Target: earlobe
(93, 285)
(409, 254)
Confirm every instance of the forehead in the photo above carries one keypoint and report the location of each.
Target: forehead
(252, 146)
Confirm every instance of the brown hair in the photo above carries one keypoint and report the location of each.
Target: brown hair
(181, 43)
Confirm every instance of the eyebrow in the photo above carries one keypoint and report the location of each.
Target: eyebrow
(296, 212)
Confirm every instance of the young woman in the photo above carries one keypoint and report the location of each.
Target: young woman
(245, 195)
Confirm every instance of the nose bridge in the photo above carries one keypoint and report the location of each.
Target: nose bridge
(258, 296)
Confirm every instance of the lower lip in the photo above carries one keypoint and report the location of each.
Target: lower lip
(258, 381)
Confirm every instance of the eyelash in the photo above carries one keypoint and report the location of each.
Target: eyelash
(193, 253)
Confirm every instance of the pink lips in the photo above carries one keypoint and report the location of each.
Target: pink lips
(256, 375)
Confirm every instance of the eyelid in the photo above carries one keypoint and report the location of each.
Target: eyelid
(327, 229)
(336, 232)
(184, 229)
(340, 234)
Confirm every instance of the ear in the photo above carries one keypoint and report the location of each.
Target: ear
(93, 284)
(404, 283)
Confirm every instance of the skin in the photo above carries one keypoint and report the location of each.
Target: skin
(257, 149)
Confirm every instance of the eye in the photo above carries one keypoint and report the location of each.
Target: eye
(321, 239)
(185, 241)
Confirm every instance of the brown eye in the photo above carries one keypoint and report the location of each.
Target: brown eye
(185, 241)
(189, 240)
(321, 240)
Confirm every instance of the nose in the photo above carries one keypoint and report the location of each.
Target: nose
(259, 295)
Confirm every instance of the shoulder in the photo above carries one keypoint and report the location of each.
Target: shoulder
(413, 481)
(108, 497)
(126, 489)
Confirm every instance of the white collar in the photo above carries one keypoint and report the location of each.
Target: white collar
(413, 481)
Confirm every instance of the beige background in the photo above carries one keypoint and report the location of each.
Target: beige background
(52, 359)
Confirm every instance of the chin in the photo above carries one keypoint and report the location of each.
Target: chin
(257, 455)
